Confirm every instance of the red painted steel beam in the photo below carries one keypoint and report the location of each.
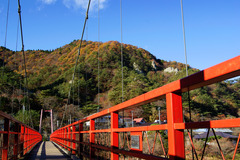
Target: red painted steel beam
(172, 92)
(227, 123)
(130, 129)
(98, 131)
(176, 148)
(65, 137)
(28, 138)
(16, 140)
(217, 73)
(69, 138)
(25, 140)
(22, 140)
(144, 128)
(6, 139)
(92, 139)
(80, 140)
(114, 135)
(73, 139)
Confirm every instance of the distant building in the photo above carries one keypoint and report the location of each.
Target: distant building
(139, 121)
(125, 122)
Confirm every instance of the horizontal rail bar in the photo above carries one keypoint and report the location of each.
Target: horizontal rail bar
(227, 123)
(5, 115)
(25, 138)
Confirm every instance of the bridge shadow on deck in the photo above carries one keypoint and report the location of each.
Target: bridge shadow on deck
(53, 152)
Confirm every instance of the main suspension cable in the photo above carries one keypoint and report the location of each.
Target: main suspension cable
(185, 51)
(15, 65)
(184, 38)
(98, 55)
(24, 60)
(86, 74)
(5, 43)
(121, 48)
(121, 53)
(80, 46)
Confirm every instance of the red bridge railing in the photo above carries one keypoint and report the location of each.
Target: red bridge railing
(16, 138)
(86, 144)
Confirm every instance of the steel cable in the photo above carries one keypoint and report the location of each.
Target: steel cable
(24, 61)
(185, 51)
(80, 46)
(98, 54)
(5, 43)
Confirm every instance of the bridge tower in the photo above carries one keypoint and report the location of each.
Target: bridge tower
(40, 124)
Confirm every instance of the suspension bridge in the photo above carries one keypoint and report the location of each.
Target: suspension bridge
(114, 142)
(86, 139)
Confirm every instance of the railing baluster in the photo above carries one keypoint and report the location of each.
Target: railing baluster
(175, 137)
(23, 138)
(16, 139)
(5, 139)
(114, 135)
(74, 139)
(92, 138)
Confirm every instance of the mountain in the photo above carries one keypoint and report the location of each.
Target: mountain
(50, 75)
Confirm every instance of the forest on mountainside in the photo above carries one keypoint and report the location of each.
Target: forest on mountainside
(50, 77)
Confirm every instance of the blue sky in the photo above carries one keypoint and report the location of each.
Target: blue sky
(212, 26)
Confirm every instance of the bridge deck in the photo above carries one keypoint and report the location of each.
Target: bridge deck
(47, 151)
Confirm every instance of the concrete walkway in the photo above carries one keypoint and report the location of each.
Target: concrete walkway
(47, 151)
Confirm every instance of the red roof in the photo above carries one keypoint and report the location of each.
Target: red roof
(138, 120)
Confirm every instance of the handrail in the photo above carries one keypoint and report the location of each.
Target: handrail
(66, 136)
(17, 141)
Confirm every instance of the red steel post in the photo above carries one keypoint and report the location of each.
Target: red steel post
(92, 138)
(176, 148)
(62, 136)
(69, 138)
(74, 139)
(30, 141)
(114, 135)
(16, 140)
(65, 138)
(22, 140)
(26, 140)
(5, 139)
(80, 140)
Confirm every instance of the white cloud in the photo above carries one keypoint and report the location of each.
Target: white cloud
(48, 1)
(84, 3)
